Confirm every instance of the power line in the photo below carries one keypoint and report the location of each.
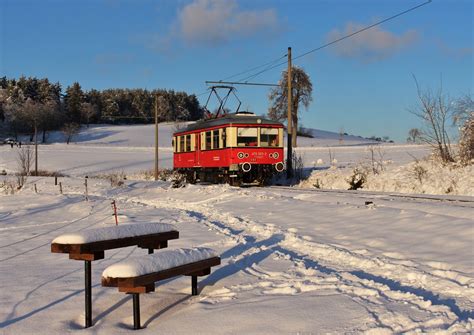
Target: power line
(254, 68)
(239, 83)
(262, 71)
(337, 40)
(363, 29)
(205, 92)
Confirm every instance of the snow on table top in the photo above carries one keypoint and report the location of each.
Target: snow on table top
(162, 259)
(114, 232)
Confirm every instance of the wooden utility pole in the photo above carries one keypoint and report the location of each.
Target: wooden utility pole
(36, 148)
(289, 152)
(156, 138)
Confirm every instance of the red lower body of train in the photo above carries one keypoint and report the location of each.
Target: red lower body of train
(232, 165)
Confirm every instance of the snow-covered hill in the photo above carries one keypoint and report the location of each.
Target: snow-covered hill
(144, 136)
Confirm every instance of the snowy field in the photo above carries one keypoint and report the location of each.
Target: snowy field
(102, 149)
(294, 260)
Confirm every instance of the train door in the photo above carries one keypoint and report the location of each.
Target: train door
(197, 149)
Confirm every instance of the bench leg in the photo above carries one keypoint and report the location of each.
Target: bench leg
(136, 311)
(88, 293)
(194, 285)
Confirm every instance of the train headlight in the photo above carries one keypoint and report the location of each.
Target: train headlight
(275, 155)
(240, 155)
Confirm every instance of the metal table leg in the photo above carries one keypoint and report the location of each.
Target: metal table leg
(88, 293)
(194, 285)
(136, 311)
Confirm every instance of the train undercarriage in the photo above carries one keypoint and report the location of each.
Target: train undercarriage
(257, 174)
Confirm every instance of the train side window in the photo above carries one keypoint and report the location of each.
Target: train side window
(188, 143)
(247, 137)
(208, 140)
(224, 138)
(173, 143)
(215, 139)
(182, 143)
(203, 140)
(269, 137)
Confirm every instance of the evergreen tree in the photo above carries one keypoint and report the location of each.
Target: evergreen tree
(72, 103)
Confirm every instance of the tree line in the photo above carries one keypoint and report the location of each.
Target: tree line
(29, 105)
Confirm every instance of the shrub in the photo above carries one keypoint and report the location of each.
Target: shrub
(357, 179)
(163, 174)
(318, 184)
(178, 180)
(419, 172)
(298, 167)
(46, 173)
(376, 158)
(466, 142)
(166, 174)
(8, 186)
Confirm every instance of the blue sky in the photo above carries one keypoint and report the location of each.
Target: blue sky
(363, 85)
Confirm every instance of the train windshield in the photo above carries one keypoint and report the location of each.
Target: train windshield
(269, 137)
(247, 137)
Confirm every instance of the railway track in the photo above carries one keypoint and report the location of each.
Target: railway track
(460, 201)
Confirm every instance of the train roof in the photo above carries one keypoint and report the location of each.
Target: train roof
(238, 118)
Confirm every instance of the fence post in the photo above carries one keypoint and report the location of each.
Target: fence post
(87, 193)
(61, 187)
(114, 207)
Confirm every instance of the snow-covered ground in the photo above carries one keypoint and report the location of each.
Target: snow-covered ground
(294, 260)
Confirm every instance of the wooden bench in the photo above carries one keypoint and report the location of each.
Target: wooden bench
(89, 245)
(138, 275)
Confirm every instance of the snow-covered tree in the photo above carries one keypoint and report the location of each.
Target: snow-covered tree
(302, 89)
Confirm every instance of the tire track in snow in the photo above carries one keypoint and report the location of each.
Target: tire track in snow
(357, 276)
(64, 225)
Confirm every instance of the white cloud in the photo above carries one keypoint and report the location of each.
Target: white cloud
(453, 52)
(370, 45)
(216, 21)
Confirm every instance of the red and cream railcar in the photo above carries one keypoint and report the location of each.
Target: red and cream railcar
(237, 148)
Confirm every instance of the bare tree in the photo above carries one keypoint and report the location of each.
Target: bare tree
(414, 135)
(466, 141)
(302, 89)
(3, 101)
(341, 135)
(463, 110)
(464, 119)
(332, 159)
(25, 161)
(435, 110)
(376, 158)
(70, 130)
